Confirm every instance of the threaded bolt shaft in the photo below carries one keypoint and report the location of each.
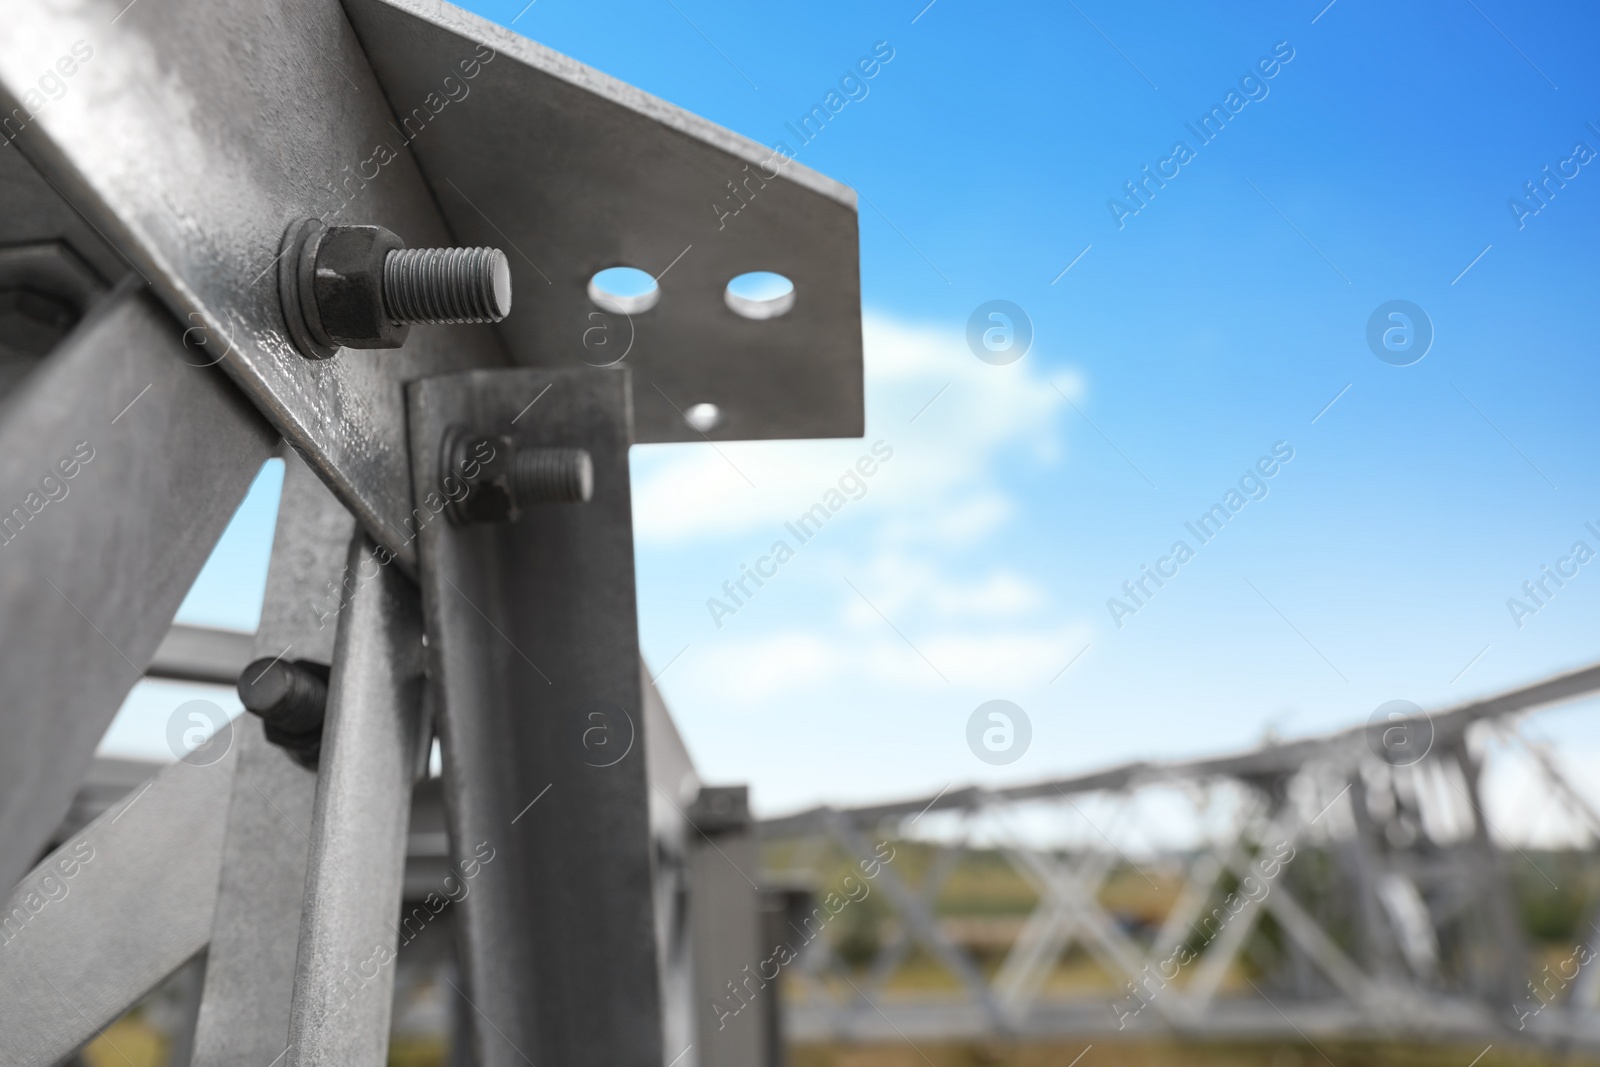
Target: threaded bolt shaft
(552, 474)
(285, 694)
(432, 286)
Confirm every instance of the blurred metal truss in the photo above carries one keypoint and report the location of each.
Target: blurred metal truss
(1341, 886)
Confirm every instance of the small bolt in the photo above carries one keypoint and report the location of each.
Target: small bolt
(491, 479)
(291, 698)
(557, 475)
(361, 287)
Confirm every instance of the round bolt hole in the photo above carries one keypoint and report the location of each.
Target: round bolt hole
(703, 417)
(760, 294)
(624, 290)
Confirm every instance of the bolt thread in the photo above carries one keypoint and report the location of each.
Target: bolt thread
(284, 694)
(552, 474)
(433, 286)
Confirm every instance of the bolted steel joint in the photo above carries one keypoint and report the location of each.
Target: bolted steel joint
(721, 809)
(360, 287)
(290, 697)
(492, 478)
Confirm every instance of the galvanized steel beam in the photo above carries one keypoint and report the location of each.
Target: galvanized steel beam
(120, 465)
(113, 911)
(201, 654)
(344, 978)
(733, 995)
(244, 1014)
(533, 649)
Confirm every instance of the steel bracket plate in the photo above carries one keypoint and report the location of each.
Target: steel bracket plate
(571, 172)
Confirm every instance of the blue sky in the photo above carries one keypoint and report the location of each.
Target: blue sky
(1222, 318)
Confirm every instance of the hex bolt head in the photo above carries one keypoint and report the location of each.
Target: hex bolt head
(360, 287)
(347, 288)
(493, 478)
(291, 698)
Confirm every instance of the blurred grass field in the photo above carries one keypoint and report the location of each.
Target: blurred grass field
(982, 907)
(1171, 1054)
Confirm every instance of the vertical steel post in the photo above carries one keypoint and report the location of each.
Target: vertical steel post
(344, 978)
(673, 787)
(735, 982)
(244, 1012)
(534, 652)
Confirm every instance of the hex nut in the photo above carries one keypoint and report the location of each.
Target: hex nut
(347, 288)
(476, 477)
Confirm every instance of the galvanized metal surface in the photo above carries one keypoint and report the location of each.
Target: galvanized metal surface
(159, 454)
(201, 654)
(732, 995)
(570, 172)
(344, 978)
(673, 786)
(244, 1010)
(244, 1014)
(118, 907)
(533, 648)
(191, 135)
(36, 212)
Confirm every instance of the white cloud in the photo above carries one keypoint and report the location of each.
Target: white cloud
(936, 622)
(943, 477)
(915, 586)
(866, 663)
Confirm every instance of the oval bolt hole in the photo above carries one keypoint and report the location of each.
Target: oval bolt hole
(703, 416)
(624, 290)
(760, 294)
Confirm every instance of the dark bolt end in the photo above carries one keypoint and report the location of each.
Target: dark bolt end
(553, 474)
(290, 697)
(721, 808)
(492, 479)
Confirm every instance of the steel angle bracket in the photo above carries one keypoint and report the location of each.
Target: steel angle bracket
(570, 172)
